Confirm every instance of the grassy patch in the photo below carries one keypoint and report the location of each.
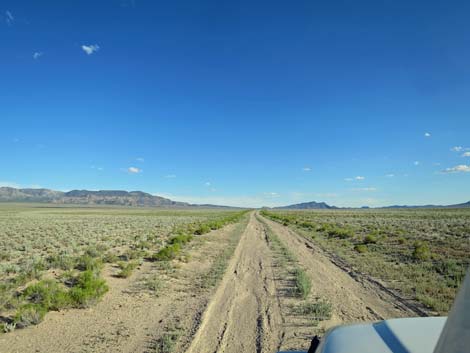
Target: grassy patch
(303, 285)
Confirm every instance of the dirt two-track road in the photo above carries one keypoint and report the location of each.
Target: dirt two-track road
(251, 309)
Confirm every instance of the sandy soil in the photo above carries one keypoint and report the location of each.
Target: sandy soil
(251, 310)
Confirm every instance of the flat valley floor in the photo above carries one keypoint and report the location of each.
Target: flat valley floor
(252, 308)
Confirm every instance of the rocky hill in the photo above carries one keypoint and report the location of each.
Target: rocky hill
(87, 197)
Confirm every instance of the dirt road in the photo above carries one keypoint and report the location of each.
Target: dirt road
(253, 308)
(245, 314)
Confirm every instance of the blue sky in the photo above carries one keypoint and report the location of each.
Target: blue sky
(246, 103)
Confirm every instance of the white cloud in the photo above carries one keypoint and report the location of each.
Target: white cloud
(170, 176)
(457, 149)
(271, 194)
(9, 18)
(466, 154)
(90, 49)
(427, 134)
(306, 169)
(348, 179)
(97, 168)
(390, 175)
(140, 159)
(207, 183)
(462, 168)
(134, 170)
(359, 178)
(37, 55)
(416, 162)
(365, 189)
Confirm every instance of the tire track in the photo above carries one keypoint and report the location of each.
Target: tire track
(244, 314)
(354, 300)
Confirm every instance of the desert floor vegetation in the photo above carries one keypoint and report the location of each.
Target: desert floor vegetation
(422, 254)
(52, 257)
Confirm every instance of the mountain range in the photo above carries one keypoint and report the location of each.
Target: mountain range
(87, 197)
(143, 199)
(324, 206)
(313, 205)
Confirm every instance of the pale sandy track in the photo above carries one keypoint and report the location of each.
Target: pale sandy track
(252, 310)
(244, 314)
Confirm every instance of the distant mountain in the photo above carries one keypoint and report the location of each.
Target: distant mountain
(87, 197)
(308, 206)
(324, 206)
(460, 205)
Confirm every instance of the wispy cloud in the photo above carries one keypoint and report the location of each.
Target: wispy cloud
(306, 169)
(9, 19)
(207, 183)
(427, 134)
(140, 159)
(134, 170)
(462, 168)
(37, 55)
(271, 194)
(466, 154)
(170, 176)
(457, 149)
(390, 175)
(359, 177)
(364, 189)
(416, 163)
(90, 49)
(9, 184)
(97, 168)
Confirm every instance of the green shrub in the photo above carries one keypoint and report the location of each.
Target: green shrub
(62, 261)
(88, 263)
(153, 283)
(361, 248)
(321, 310)
(88, 290)
(342, 233)
(302, 283)
(126, 269)
(202, 229)
(92, 252)
(401, 240)
(306, 225)
(169, 252)
(48, 294)
(110, 257)
(181, 239)
(132, 255)
(370, 239)
(29, 314)
(421, 251)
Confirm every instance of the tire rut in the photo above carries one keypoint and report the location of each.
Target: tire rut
(244, 314)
